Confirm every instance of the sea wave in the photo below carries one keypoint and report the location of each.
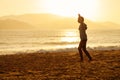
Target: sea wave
(106, 48)
(48, 43)
(101, 48)
(60, 43)
(63, 50)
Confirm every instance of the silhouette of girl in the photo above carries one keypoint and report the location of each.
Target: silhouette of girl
(83, 37)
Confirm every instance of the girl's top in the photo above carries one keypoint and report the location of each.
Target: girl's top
(82, 30)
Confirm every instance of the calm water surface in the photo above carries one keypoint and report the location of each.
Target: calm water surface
(32, 40)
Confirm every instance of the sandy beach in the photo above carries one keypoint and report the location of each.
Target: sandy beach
(61, 66)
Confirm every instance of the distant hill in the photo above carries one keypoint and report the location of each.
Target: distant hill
(46, 21)
(14, 24)
(49, 21)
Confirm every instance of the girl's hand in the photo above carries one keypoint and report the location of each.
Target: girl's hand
(78, 15)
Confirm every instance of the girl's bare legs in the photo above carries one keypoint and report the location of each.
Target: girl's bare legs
(82, 46)
(86, 52)
(80, 51)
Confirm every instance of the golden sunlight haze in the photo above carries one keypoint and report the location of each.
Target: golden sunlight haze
(96, 10)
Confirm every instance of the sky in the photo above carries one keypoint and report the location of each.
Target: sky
(95, 10)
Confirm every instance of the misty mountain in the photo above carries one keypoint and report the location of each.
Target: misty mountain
(50, 21)
(46, 21)
(14, 24)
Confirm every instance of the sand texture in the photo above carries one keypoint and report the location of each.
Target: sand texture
(61, 66)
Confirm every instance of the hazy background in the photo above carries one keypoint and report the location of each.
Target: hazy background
(33, 25)
(50, 21)
(23, 13)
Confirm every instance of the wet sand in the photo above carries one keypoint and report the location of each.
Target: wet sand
(61, 66)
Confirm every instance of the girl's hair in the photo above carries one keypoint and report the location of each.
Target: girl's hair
(82, 19)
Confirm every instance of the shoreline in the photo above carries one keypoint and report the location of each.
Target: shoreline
(63, 65)
(61, 50)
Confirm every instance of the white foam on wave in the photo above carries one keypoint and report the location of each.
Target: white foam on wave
(101, 48)
(63, 50)
(107, 48)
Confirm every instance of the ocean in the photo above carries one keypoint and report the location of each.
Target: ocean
(26, 41)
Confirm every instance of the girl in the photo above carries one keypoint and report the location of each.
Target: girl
(83, 37)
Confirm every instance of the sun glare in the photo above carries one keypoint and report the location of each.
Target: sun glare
(87, 8)
(69, 36)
